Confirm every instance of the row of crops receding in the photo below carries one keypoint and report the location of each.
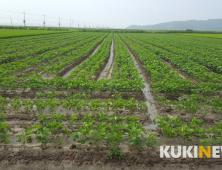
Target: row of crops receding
(51, 95)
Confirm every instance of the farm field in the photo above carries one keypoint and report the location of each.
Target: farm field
(5, 33)
(92, 100)
(205, 35)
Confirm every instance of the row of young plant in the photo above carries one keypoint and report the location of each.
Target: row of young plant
(56, 64)
(17, 42)
(209, 57)
(99, 130)
(123, 64)
(37, 83)
(40, 48)
(214, 80)
(194, 98)
(73, 103)
(19, 46)
(4, 129)
(205, 46)
(10, 68)
(91, 66)
(199, 45)
(54, 61)
(181, 62)
(190, 131)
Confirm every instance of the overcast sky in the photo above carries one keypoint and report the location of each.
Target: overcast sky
(112, 13)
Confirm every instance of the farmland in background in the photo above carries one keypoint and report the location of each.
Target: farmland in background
(205, 35)
(5, 33)
(98, 98)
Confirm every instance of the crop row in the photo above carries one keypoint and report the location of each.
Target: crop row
(14, 42)
(190, 131)
(40, 48)
(123, 64)
(91, 66)
(19, 46)
(198, 45)
(56, 64)
(210, 59)
(10, 68)
(55, 61)
(36, 82)
(183, 63)
(167, 81)
(111, 131)
(71, 103)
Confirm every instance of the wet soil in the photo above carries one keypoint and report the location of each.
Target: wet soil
(106, 69)
(150, 102)
(63, 94)
(69, 159)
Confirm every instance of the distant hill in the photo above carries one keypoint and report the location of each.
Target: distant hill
(210, 25)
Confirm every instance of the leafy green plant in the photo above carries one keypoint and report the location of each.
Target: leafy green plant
(43, 132)
(4, 129)
(3, 103)
(115, 153)
(16, 104)
(175, 127)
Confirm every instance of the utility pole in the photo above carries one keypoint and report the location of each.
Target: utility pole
(24, 20)
(78, 24)
(70, 23)
(11, 20)
(44, 20)
(84, 24)
(59, 21)
(73, 24)
(89, 25)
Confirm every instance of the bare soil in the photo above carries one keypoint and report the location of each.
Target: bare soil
(106, 70)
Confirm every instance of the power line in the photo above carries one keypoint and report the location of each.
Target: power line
(46, 16)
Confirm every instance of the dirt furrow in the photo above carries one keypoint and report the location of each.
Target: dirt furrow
(71, 158)
(63, 94)
(152, 110)
(107, 71)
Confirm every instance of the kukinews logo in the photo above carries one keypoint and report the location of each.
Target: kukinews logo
(190, 151)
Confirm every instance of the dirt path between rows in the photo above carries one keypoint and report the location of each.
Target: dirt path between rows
(73, 159)
(107, 71)
(152, 110)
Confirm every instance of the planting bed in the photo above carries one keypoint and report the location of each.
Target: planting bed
(107, 101)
